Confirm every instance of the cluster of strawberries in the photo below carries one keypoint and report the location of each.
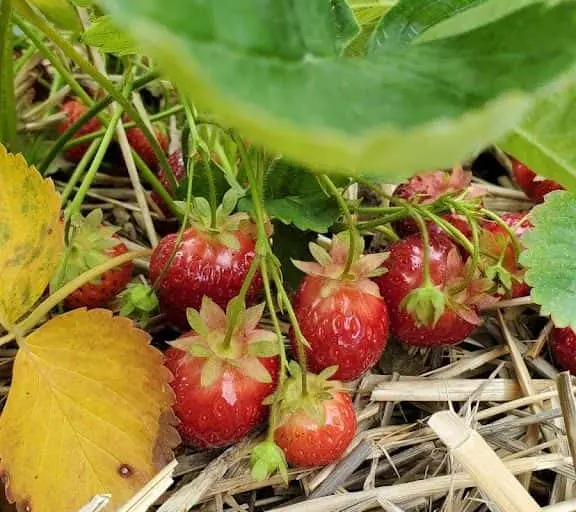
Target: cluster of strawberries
(427, 290)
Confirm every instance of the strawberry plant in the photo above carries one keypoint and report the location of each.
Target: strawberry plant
(221, 223)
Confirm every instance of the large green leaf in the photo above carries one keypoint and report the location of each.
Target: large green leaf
(478, 13)
(549, 257)
(410, 18)
(272, 69)
(546, 140)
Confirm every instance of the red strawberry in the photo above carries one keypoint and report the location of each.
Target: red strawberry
(563, 347)
(91, 245)
(499, 255)
(343, 318)
(441, 312)
(427, 188)
(534, 186)
(177, 163)
(314, 430)
(207, 262)
(140, 144)
(73, 110)
(220, 388)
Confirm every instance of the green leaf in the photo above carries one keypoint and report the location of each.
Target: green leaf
(368, 17)
(480, 12)
(549, 257)
(293, 196)
(103, 34)
(545, 141)
(291, 243)
(408, 19)
(61, 12)
(347, 27)
(271, 68)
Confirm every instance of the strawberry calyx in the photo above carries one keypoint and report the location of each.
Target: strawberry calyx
(426, 304)
(427, 187)
(138, 302)
(332, 264)
(468, 292)
(225, 225)
(242, 351)
(291, 398)
(500, 261)
(89, 244)
(268, 458)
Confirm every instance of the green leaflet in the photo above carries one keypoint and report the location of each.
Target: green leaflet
(271, 68)
(408, 19)
(545, 141)
(61, 12)
(549, 257)
(105, 35)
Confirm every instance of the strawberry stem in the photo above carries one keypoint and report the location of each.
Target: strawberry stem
(94, 135)
(76, 203)
(325, 180)
(264, 249)
(448, 228)
(8, 121)
(426, 280)
(79, 170)
(233, 320)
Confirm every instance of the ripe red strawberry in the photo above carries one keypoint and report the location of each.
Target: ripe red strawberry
(563, 347)
(534, 186)
(314, 430)
(343, 318)
(207, 262)
(441, 312)
(427, 188)
(73, 110)
(220, 388)
(500, 257)
(141, 145)
(177, 163)
(93, 244)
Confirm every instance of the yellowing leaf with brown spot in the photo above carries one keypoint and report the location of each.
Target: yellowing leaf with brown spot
(88, 413)
(31, 236)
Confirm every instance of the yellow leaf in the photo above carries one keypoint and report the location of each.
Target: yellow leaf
(31, 236)
(88, 413)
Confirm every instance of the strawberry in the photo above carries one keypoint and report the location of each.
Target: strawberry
(563, 347)
(343, 317)
(140, 144)
(220, 386)
(534, 186)
(212, 262)
(499, 255)
(90, 245)
(427, 188)
(314, 429)
(443, 311)
(177, 164)
(73, 110)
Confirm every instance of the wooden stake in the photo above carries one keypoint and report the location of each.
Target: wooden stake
(482, 464)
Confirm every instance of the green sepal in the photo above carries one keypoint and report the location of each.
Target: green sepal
(267, 458)
(211, 371)
(196, 322)
(426, 305)
(266, 348)
(138, 301)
